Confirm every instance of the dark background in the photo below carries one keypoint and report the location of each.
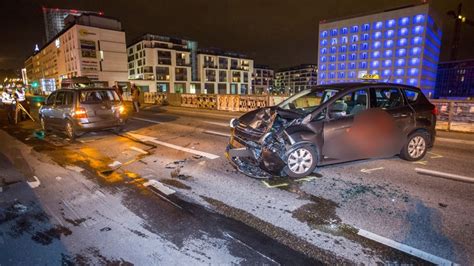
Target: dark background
(274, 32)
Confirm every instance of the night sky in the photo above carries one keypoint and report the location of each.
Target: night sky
(273, 32)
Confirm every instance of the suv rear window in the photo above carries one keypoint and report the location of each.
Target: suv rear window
(412, 95)
(98, 96)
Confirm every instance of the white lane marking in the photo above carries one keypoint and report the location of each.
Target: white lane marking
(206, 113)
(138, 150)
(405, 248)
(368, 171)
(74, 168)
(176, 147)
(459, 141)
(249, 247)
(115, 164)
(217, 133)
(162, 188)
(35, 183)
(445, 175)
(145, 120)
(217, 123)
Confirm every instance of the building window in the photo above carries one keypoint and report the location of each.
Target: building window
(400, 72)
(354, 29)
(366, 27)
(342, 66)
(164, 57)
(416, 40)
(355, 38)
(323, 67)
(333, 32)
(403, 31)
(388, 53)
(210, 75)
(333, 49)
(401, 52)
(324, 34)
(387, 63)
(352, 65)
(353, 56)
(363, 55)
(386, 72)
(162, 73)
(324, 42)
(377, 45)
(344, 40)
(388, 43)
(334, 41)
(414, 61)
(180, 59)
(375, 64)
(402, 42)
(323, 51)
(332, 58)
(418, 19)
(332, 67)
(363, 64)
(365, 37)
(342, 49)
(364, 46)
(236, 76)
(181, 74)
(391, 23)
(354, 47)
(246, 77)
(404, 21)
(376, 54)
(224, 62)
(234, 64)
(390, 33)
(343, 30)
(378, 25)
(413, 71)
(400, 62)
(415, 51)
(222, 76)
(418, 30)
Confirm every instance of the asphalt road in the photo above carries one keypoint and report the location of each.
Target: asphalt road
(92, 192)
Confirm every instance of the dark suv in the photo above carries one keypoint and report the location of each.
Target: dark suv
(84, 109)
(331, 124)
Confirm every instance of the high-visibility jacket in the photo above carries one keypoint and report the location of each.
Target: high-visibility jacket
(20, 95)
(7, 98)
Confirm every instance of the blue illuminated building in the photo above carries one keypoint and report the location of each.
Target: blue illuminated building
(401, 45)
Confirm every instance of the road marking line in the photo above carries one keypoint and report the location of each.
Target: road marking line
(217, 133)
(138, 150)
(217, 123)
(309, 178)
(249, 247)
(35, 183)
(459, 141)
(146, 120)
(445, 175)
(405, 248)
(436, 156)
(369, 171)
(274, 186)
(421, 162)
(176, 147)
(158, 185)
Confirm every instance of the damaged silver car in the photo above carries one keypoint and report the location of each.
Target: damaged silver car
(332, 124)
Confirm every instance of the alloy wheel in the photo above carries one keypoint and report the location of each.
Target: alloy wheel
(300, 161)
(69, 130)
(416, 146)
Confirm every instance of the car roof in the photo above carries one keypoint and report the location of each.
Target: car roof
(351, 85)
(84, 89)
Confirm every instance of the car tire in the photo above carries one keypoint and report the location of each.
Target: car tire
(118, 130)
(301, 161)
(416, 146)
(44, 127)
(70, 130)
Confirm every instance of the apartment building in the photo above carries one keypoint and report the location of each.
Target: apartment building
(455, 79)
(294, 79)
(90, 46)
(166, 64)
(262, 79)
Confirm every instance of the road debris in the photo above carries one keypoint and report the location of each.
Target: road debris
(35, 183)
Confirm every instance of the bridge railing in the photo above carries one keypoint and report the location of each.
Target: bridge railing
(454, 115)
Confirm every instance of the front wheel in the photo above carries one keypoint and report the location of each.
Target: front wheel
(301, 162)
(416, 147)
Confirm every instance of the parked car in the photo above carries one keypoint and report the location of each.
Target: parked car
(81, 110)
(332, 124)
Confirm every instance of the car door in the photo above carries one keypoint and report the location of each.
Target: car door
(57, 109)
(46, 110)
(391, 101)
(340, 141)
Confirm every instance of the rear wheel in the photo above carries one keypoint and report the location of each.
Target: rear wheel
(416, 147)
(70, 130)
(43, 124)
(301, 161)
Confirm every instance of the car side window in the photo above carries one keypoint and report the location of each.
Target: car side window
(348, 105)
(411, 95)
(50, 99)
(69, 98)
(388, 98)
(59, 98)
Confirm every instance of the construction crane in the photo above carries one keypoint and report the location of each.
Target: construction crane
(459, 21)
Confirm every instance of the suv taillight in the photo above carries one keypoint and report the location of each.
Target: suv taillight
(80, 112)
(435, 111)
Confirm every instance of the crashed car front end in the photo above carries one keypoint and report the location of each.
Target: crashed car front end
(259, 143)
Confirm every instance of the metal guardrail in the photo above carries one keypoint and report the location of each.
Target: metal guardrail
(453, 115)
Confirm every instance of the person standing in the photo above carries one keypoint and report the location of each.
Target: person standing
(20, 95)
(118, 89)
(9, 103)
(135, 91)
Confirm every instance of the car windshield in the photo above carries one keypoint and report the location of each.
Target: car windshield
(98, 96)
(308, 100)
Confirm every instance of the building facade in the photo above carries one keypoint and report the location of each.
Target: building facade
(295, 79)
(164, 64)
(262, 79)
(54, 19)
(90, 46)
(455, 79)
(401, 45)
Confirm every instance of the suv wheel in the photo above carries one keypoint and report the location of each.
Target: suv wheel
(301, 161)
(70, 130)
(416, 147)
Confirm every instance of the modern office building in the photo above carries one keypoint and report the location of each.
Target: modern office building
(294, 79)
(165, 64)
(90, 46)
(401, 45)
(262, 79)
(455, 79)
(54, 19)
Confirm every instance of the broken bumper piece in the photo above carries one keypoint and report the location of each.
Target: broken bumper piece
(245, 162)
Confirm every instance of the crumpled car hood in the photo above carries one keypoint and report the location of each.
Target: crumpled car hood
(262, 119)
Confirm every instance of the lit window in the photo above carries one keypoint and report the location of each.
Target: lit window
(333, 32)
(377, 35)
(332, 58)
(365, 46)
(343, 30)
(376, 54)
(400, 62)
(374, 72)
(332, 66)
(386, 72)
(343, 49)
(416, 40)
(375, 64)
(352, 65)
(355, 38)
(390, 23)
(365, 37)
(363, 55)
(402, 42)
(333, 41)
(415, 51)
(399, 81)
(354, 47)
(414, 61)
(366, 27)
(341, 75)
(344, 39)
(413, 71)
(401, 52)
(363, 65)
(324, 51)
(388, 43)
(354, 29)
(324, 34)
(323, 75)
(342, 66)
(323, 67)
(377, 44)
(413, 82)
(400, 72)
(387, 63)
(353, 56)
(403, 31)
(352, 74)
(418, 30)
(333, 49)
(404, 21)
(323, 59)
(324, 42)
(390, 33)
(342, 57)
(332, 75)
(419, 19)
(378, 25)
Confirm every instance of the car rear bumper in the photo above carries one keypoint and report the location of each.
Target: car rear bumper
(100, 125)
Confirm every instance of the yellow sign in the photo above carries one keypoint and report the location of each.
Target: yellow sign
(370, 77)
